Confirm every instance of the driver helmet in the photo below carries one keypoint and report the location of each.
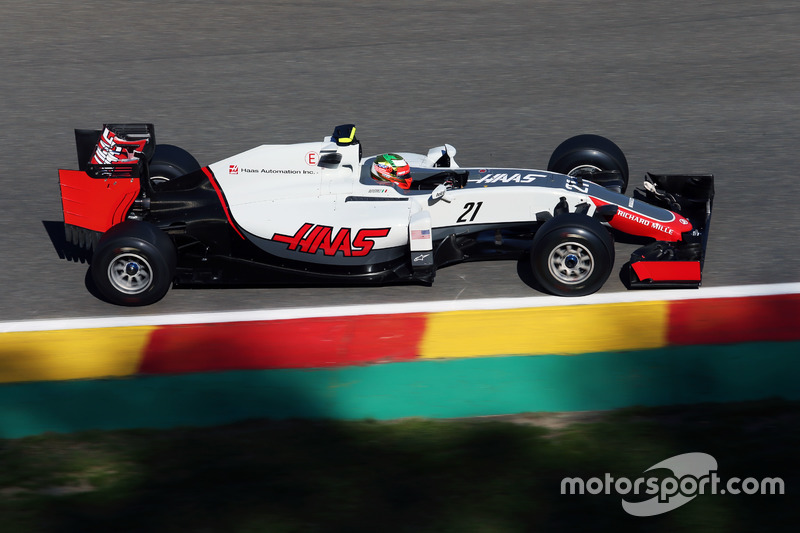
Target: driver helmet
(392, 168)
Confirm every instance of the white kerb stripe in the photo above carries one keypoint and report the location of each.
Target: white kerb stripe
(396, 308)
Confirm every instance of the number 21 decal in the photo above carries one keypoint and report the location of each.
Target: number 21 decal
(470, 208)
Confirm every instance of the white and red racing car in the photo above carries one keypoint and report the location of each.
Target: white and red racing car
(320, 213)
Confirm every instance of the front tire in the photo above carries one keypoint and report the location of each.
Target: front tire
(572, 255)
(594, 158)
(134, 264)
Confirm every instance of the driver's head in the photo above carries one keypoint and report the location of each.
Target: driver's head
(392, 168)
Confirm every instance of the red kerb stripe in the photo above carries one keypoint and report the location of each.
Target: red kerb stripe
(300, 343)
(735, 320)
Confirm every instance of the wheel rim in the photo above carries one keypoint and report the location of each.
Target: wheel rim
(580, 169)
(130, 273)
(571, 263)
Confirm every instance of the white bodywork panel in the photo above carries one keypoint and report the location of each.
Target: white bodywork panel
(282, 194)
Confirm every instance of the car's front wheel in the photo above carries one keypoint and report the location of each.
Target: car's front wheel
(594, 158)
(134, 264)
(572, 255)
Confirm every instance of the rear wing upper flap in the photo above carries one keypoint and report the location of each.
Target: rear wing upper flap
(116, 151)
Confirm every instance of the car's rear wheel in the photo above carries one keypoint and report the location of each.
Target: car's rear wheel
(134, 264)
(572, 255)
(170, 162)
(594, 158)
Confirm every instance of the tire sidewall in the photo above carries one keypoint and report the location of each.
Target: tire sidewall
(162, 171)
(573, 160)
(592, 150)
(580, 229)
(170, 162)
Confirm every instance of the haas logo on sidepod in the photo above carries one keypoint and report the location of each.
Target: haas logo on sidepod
(311, 238)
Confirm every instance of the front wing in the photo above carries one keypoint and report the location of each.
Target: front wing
(675, 264)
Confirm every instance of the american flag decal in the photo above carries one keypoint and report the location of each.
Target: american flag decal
(420, 234)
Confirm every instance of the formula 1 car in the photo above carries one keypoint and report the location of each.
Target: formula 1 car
(320, 213)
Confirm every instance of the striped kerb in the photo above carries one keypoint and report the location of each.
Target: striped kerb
(564, 330)
(298, 343)
(72, 354)
(385, 338)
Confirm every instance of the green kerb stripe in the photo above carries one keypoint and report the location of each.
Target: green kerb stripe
(432, 388)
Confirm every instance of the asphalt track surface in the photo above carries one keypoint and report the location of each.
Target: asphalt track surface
(682, 86)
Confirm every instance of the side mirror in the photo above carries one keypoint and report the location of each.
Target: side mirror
(440, 193)
(330, 159)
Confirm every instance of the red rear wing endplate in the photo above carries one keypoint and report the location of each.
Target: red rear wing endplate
(95, 204)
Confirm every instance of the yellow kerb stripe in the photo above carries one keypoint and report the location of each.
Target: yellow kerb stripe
(542, 331)
(71, 354)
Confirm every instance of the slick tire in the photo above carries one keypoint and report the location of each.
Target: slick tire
(170, 162)
(572, 255)
(584, 154)
(134, 264)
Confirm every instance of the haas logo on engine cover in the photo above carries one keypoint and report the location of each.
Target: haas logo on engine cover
(310, 238)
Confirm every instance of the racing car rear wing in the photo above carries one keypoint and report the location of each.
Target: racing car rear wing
(675, 264)
(115, 151)
(106, 184)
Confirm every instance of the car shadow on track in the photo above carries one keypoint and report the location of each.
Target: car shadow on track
(71, 252)
(65, 249)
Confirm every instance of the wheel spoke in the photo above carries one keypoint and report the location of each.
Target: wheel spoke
(130, 273)
(571, 263)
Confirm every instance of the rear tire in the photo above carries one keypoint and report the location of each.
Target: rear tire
(134, 264)
(585, 155)
(572, 255)
(170, 162)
